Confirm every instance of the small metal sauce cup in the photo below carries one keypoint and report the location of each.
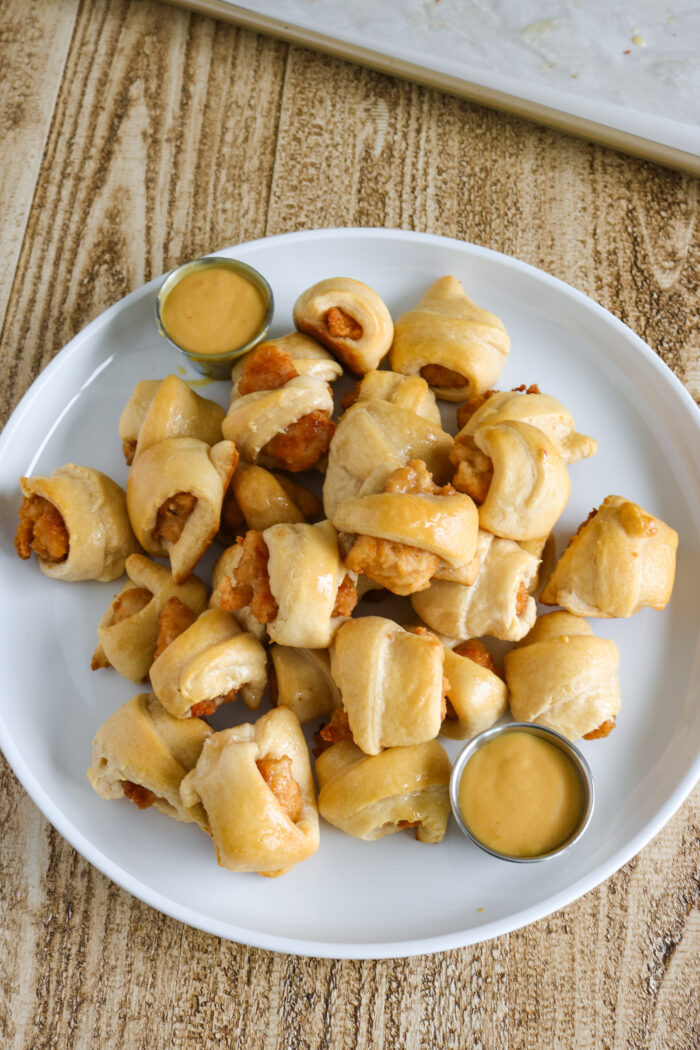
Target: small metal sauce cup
(216, 366)
(552, 737)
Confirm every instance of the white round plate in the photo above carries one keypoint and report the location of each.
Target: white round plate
(393, 897)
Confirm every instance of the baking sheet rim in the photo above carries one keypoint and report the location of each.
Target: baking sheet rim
(560, 120)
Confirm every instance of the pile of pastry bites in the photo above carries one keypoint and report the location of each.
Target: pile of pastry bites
(458, 525)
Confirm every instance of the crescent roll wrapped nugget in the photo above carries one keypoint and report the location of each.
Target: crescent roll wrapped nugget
(369, 796)
(527, 406)
(128, 632)
(166, 408)
(174, 494)
(391, 682)
(142, 753)
(76, 523)
(404, 534)
(277, 417)
(451, 342)
(256, 787)
(300, 679)
(307, 356)
(409, 392)
(349, 319)
(293, 580)
(266, 499)
(207, 665)
(373, 439)
(530, 484)
(563, 676)
(499, 602)
(620, 559)
(477, 696)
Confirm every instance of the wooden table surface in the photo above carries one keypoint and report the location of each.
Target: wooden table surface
(136, 136)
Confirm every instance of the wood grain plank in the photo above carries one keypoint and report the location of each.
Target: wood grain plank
(33, 37)
(23, 891)
(160, 151)
(595, 970)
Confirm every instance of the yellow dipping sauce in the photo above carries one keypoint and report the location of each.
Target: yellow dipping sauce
(213, 310)
(520, 795)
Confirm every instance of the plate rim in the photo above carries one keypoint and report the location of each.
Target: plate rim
(347, 949)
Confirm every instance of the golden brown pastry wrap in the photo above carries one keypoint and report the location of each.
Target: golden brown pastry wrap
(620, 559)
(409, 392)
(129, 644)
(477, 697)
(369, 796)
(298, 574)
(305, 571)
(303, 682)
(267, 499)
(174, 467)
(530, 485)
(167, 408)
(207, 663)
(373, 439)
(94, 514)
(539, 410)
(307, 355)
(454, 344)
(251, 828)
(562, 676)
(142, 746)
(445, 525)
(391, 682)
(464, 574)
(498, 603)
(255, 419)
(349, 319)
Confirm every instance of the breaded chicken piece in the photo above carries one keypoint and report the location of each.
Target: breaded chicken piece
(251, 586)
(277, 774)
(41, 529)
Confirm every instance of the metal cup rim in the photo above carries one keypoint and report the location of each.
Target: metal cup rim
(215, 362)
(565, 745)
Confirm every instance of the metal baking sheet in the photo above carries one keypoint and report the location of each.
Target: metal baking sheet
(625, 75)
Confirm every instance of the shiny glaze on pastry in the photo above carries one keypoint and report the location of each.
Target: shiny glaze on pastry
(530, 485)
(373, 439)
(537, 409)
(255, 785)
(300, 679)
(562, 676)
(409, 392)
(369, 796)
(166, 408)
(391, 682)
(207, 665)
(265, 498)
(456, 346)
(621, 559)
(499, 602)
(128, 642)
(477, 696)
(76, 523)
(142, 753)
(307, 355)
(349, 319)
(174, 494)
